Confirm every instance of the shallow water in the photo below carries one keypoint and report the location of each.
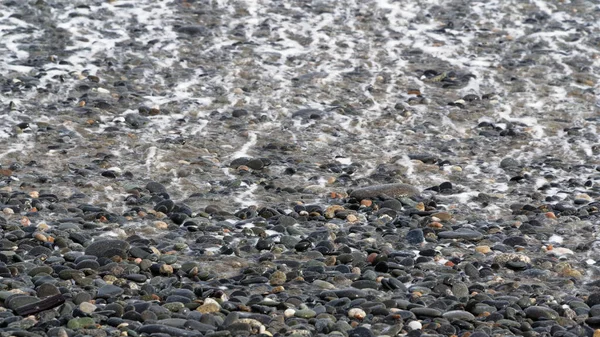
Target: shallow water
(421, 92)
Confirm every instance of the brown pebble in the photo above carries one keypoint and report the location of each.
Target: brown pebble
(330, 211)
(352, 218)
(161, 225)
(366, 202)
(444, 216)
(166, 269)
(371, 257)
(40, 237)
(483, 249)
(435, 224)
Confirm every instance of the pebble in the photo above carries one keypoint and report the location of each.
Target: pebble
(396, 190)
(461, 234)
(539, 312)
(109, 291)
(108, 248)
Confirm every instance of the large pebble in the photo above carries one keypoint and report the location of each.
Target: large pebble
(539, 312)
(361, 332)
(109, 291)
(461, 233)
(108, 248)
(459, 315)
(388, 190)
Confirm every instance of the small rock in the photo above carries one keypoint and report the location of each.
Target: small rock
(361, 332)
(109, 291)
(388, 190)
(539, 312)
(277, 278)
(108, 248)
(209, 306)
(461, 233)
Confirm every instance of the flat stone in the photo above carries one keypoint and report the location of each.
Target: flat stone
(81, 323)
(361, 332)
(108, 248)
(461, 233)
(427, 312)
(108, 291)
(397, 190)
(538, 312)
(459, 315)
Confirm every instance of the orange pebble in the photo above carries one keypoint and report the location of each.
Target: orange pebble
(550, 215)
(366, 202)
(435, 224)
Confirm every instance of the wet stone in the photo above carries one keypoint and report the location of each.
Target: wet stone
(360, 332)
(458, 315)
(415, 236)
(426, 312)
(109, 291)
(397, 190)
(539, 312)
(461, 233)
(108, 248)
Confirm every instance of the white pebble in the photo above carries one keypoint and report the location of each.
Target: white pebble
(357, 313)
(415, 325)
(289, 313)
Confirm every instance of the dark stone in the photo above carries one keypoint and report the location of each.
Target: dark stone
(108, 248)
(539, 312)
(109, 291)
(461, 233)
(255, 164)
(515, 241)
(360, 332)
(165, 206)
(415, 236)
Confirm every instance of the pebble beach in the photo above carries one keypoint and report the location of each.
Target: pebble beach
(301, 168)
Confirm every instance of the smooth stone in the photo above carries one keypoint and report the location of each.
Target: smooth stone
(88, 264)
(515, 241)
(428, 312)
(81, 323)
(460, 290)
(365, 284)
(169, 330)
(593, 299)
(18, 301)
(509, 162)
(154, 187)
(458, 314)
(108, 248)
(47, 289)
(415, 236)
(538, 312)
(349, 293)
(396, 190)
(40, 269)
(361, 332)
(305, 313)
(87, 307)
(109, 291)
(461, 233)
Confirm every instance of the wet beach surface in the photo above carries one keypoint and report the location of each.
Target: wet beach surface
(299, 168)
